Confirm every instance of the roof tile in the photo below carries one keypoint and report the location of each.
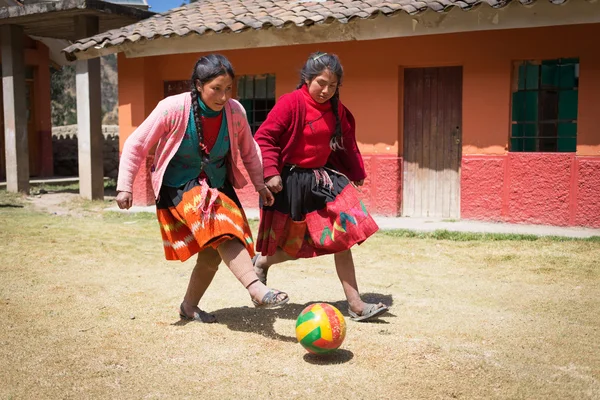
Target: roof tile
(239, 15)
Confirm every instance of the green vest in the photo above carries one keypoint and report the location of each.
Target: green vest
(187, 163)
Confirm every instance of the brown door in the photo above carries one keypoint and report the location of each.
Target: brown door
(432, 142)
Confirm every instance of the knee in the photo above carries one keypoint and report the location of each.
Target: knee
(208, 260)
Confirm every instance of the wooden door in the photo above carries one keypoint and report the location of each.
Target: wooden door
(432, 142)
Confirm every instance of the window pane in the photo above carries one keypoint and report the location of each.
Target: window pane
(567, 144)
(567, 106)
(518, 106)
(529, 130)
(270, 86)
(547, 145)
(550, 62)
(249, 89)
(260, 86)
(533, 75)
(516, 144)
(260, 115)
(260, 104)
(531, 106)
(548, 105)
(547, 130)
(529, 144)
(517, 130)
(522, 75)
(567, 130)
(567, 76)
(569, 61)
(549, 76)
(241, 86)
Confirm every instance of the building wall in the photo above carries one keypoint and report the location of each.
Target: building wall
(493, 181)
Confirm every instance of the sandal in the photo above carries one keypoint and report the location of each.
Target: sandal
(262, 280)
(369, 312)
(201, 316)
(271, 299)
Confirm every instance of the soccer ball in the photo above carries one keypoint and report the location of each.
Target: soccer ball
(320, 328)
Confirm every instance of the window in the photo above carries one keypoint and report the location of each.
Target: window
(171, 88)
(257, 95)
(544, 105)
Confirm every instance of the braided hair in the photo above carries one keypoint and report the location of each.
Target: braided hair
(206, 69)
(315, 65)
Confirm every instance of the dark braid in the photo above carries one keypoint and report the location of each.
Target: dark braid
(206, 69)
(196, 111)
(336, 142)
(315, 65)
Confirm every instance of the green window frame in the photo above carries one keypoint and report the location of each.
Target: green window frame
(257, 95)
(545, 106)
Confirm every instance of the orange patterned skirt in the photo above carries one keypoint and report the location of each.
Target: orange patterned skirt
(195, 216)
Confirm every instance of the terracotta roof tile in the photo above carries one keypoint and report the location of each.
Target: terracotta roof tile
(239, 15)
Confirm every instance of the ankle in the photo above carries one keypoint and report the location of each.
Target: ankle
(261, 262)
(256, 289)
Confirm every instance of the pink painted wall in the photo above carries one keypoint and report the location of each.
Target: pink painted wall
(534, 188)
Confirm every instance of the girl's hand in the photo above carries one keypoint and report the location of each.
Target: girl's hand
(359, 183)
(274, 183)
(124, 200)
(266, 197)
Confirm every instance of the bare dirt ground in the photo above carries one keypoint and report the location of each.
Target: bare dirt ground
(89, 310)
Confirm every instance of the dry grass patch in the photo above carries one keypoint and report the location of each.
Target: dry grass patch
(89, 310)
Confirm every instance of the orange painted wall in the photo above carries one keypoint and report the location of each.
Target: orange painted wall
(372, 87)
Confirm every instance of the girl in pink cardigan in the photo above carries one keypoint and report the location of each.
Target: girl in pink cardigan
(200, 137)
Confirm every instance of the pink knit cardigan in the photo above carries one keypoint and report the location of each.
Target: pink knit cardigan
(166, 126)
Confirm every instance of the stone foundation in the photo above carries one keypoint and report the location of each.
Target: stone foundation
(65, 152)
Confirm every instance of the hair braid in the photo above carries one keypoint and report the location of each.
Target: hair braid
(198, 119)
(206, 69)
(337, 141)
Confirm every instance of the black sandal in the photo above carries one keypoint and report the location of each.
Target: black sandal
(201, 316)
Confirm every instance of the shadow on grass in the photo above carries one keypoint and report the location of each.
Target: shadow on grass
(339, 356)
(6, 205)
(262, 321)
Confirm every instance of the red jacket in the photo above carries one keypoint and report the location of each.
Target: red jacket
(286, 120)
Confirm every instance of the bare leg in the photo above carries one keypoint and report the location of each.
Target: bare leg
(235, 255)
(206, 267)
(262, 263)
(344, 266)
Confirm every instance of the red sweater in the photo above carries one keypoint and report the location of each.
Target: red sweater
(280, 139)
(312, 150)
(211, 128)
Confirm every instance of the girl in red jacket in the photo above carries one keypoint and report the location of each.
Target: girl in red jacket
(312, 164)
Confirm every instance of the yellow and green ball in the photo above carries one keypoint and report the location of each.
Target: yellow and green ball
(320, 328)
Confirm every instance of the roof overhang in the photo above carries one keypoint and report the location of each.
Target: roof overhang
(515, 15)
(56, 19)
